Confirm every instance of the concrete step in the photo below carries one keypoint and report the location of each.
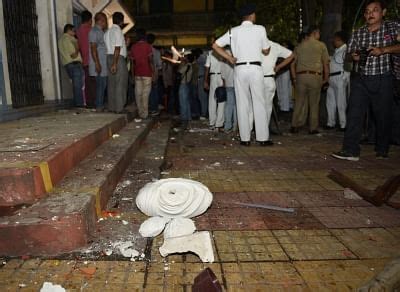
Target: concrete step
(36, 153)
(65, 219)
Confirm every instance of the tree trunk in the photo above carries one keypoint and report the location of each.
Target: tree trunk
(331, 21)
(309, 11)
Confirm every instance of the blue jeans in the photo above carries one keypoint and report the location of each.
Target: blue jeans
(75, 72)
(101, 85)
(203, 97)
(194, 102)
(184, 102)
(154, 97)
(230, 110)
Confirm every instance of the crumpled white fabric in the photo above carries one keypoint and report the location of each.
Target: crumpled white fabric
(173, 198)
(179, 227)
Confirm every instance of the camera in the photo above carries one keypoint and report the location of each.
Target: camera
(363, 53)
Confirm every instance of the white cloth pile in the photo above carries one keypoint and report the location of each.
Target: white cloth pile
(171, 203)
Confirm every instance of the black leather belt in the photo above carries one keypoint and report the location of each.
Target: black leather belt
(248, 63)
(212, 73)
(75, 62)
(335, 73)
(269, 76)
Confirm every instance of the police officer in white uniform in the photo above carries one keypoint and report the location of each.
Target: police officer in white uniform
(269, 68)
(248, 44)
(339, 79)
(212, 80)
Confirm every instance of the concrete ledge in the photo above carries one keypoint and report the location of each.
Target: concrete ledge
(29, 181)
(65, 220)
(52, 226)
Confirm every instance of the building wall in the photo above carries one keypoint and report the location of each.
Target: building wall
(7, 89)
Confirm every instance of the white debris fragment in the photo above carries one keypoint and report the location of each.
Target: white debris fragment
(153, 226)
(198, 243)
(126, 183)
(165, 172)
(54, 218)
(108, 252)
(124, 222)
(115, 136)
(126, 249)
(100, 219)
(50, 287)
(240, 163)
(217, 164)
(142, 255)
(138, 127)
(351, 195)
(174, 198)
(138, 120)
(127, 199)
(179, 227)
(22, 285)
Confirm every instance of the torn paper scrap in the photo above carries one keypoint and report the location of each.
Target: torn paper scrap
(198, 243)
(50, 287)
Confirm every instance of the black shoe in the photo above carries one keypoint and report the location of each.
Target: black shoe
(313, 132)
(265, 143)
(344, 155)
(342, 129)
(382, 155)
(328, 128)
(294, 130)
(245, 143)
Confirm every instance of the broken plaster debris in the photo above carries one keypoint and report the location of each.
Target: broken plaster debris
(126, 249)
(198, 243)
(350, 194)
(179, 227)
(153, 226)
(115, 136)
(173, 198)
(50, 287)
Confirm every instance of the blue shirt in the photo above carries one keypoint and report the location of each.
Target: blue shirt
(96, 36)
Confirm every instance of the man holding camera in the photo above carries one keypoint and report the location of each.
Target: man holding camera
(371, 47)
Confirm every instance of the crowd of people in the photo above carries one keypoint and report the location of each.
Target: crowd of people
(233, 85)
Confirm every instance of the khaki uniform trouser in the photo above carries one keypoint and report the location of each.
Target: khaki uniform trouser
(142, 93)
(308, 94)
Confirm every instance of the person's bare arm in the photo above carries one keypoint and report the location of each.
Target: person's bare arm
(285, 62)
(93, 48)
(395, 49)
(117, 52)
(220, 51)
(326, 73)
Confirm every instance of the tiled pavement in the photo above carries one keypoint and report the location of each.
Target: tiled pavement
(329, 243)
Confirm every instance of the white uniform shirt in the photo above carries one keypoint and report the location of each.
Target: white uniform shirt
(115, 38)
(337, 60)
(213, 63)
(269, 62)
(247, 42)
(227, 73)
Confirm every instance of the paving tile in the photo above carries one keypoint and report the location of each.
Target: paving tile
(343, 275)
(312, 245)
(282, 199)
(384, 216)
(300, 219)
(342, 217)
(369, 242)
(326, 199)
(248, 246)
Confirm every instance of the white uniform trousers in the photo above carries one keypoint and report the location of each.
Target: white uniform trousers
(251, 104)
(269, 93)
(215, 110)
(284, 91)
(336, 99)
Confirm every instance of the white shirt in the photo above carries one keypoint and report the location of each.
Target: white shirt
(115, 38)
(269, 62)
(227, 73)
(337, 60)
(213, 63)
(247, 42)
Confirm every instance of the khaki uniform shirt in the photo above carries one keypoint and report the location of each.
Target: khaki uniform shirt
(311, 55)
(67, 46)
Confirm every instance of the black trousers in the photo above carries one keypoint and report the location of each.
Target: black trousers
(376, 91)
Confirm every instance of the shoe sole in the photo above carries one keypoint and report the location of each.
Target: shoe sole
(345, 158)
